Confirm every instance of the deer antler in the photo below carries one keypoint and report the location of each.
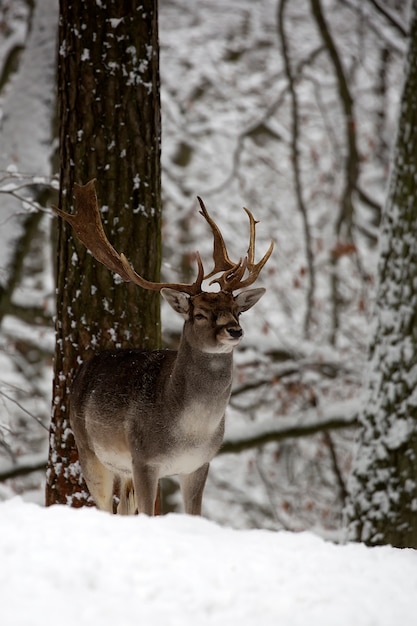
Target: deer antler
(220, 257)
(232, 276)
(89, 229)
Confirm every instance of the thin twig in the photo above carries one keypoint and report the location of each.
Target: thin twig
(270, 496)
(22, 408)
(390, 17)
(342, 485)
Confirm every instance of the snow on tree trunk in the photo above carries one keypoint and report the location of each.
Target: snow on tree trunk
(382, 506)
(109, 118)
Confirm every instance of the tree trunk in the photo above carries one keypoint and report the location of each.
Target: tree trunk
(109, 120)
(382, 507)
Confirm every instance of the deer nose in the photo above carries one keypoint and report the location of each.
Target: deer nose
(235, 333)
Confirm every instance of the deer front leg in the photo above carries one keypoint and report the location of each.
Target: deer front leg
(192, 487)
(145, 480)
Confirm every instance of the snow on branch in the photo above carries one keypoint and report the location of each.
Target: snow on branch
(26, 465)
(26, 187)
(298, 426)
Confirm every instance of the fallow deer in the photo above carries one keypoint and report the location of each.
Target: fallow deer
(140, 415)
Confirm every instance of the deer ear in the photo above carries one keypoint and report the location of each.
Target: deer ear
(247, 299)
(178, 300)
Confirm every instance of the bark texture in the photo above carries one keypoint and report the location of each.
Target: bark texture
(109, 121)
(382, 508)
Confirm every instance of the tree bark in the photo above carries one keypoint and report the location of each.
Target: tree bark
(109, 120)
(382, 507)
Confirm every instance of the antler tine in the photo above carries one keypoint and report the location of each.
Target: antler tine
(232, 277)
(220, 256)
(254, 268)
(89, 229)
(252, 232)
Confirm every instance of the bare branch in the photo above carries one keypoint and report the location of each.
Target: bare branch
(390, 17)
(339, 476)
(22, 408)
(14, 184)
(26, 465)
(30, 226)
(270, 495)
(256, 436)
(345, 217)
(296, 168)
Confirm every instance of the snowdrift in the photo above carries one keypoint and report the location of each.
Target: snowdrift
(65, 566)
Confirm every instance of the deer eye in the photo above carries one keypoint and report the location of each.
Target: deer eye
(199, 316)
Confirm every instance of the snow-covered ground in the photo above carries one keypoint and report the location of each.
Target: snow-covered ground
(67, 566)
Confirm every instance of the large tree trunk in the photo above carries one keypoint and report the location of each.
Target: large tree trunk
(383, 491)
(109, 120)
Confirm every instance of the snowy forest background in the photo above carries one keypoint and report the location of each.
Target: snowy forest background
(254, 110)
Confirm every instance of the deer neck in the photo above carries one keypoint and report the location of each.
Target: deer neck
(201, 374)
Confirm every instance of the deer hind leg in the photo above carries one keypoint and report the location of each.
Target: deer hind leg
(192, 487)
(145, 481)
(127, 504)
(99, 479)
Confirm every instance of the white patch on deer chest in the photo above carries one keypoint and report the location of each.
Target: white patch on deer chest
(197, 427)
(200, 421)
(183, 462)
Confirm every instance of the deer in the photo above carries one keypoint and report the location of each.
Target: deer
(141, 415)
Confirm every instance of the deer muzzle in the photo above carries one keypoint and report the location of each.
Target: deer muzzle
(230, 334)
(235, 332)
